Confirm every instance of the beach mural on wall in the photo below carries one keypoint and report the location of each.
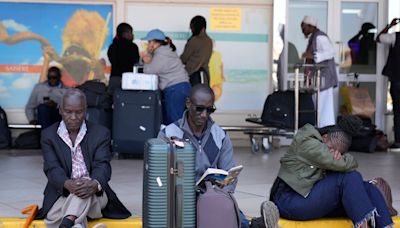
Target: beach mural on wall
(34, 36)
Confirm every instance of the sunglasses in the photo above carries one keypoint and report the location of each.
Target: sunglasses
(52, 76)
(201, 109)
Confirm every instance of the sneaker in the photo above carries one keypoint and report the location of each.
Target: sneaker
(270, 214)
(257, 223)
(395, 147)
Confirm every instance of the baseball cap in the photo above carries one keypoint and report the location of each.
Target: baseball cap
(155, 34)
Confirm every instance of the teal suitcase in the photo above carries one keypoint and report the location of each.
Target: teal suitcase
(169, 195)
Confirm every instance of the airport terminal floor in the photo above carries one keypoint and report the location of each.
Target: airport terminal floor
(22, 180)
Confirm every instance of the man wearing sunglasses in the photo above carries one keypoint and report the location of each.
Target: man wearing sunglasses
(213, 145)
(42, 106)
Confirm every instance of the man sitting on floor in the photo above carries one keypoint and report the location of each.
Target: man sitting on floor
(77, 158)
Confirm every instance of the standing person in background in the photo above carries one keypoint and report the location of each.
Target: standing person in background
(161, 59)
(198, 50)
(392, 71)
(123, 54)
(42, 106)
(320, 50)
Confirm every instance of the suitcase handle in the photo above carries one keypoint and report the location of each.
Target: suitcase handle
(179, 205)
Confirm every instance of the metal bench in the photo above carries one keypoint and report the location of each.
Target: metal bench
(24, 126)
(262, 132)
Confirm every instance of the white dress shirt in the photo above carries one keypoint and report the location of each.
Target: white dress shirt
(325, 49)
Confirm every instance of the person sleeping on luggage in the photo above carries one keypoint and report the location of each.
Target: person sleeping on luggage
(213, 145)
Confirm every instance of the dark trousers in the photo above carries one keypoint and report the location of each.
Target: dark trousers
(113, 84)
(395, 93)
(174, 101)
(47, 115)
(338, 194)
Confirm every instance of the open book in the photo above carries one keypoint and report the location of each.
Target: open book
(219, 176)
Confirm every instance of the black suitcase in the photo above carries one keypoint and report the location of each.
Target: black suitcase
(5, 133)
(169, 196)
(279, 110)
(136, 118)
(99, 116)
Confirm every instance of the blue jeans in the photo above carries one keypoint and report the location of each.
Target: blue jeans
(47, 115)
(174, 101)
(336, 195)
(244, 222)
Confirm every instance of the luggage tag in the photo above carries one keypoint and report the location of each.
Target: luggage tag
(178, 142)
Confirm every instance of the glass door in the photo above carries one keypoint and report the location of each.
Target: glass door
(351, 25)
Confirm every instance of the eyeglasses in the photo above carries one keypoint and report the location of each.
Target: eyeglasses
(51, 76)
(200, 109)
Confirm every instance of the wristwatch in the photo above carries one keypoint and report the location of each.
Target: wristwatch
(99, 188)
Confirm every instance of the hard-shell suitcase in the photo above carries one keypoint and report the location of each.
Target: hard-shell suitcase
(136, 118)
(169, 195)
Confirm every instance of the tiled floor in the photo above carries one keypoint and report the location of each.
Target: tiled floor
(22, 180)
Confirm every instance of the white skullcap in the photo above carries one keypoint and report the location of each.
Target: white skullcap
(310, 20)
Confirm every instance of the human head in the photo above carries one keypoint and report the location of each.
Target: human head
(124, 30)
(366, 27)
(156, 38)
(338, 137)
(308, 25)
(200, 105)
(197, 24)
(73, 109)
(53, 76)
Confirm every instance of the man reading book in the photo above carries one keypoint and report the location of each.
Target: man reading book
(213, 145)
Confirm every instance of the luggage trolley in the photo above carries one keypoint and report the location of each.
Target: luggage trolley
(301, 84)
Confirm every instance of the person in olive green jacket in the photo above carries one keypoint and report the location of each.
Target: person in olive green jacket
(317, 178)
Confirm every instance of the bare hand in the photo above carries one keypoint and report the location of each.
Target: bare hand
(307, 55)
(51, 103)
(336, 154)
(394, 22)
(146, 58)
(86, 188)
(72, 185)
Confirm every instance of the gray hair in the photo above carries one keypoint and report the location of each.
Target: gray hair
(73, 92)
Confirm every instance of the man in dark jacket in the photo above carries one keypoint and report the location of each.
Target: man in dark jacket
(392, 71)
(77, 165)
(123, 55)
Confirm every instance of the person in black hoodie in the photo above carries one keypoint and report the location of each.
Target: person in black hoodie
(123, 54)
